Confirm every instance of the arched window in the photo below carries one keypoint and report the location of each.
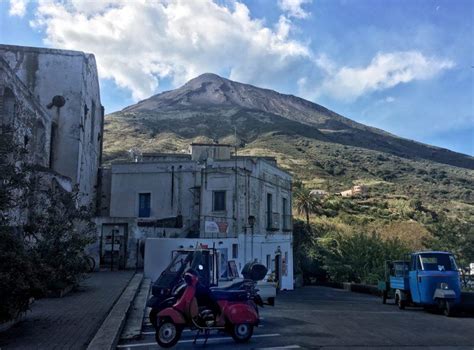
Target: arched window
(40, 142)
(7, 107)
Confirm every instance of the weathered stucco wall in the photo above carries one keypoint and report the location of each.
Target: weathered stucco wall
(186, 188)
(77, 125)
(29, 121)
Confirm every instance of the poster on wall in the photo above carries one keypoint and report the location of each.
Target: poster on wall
(214, 227)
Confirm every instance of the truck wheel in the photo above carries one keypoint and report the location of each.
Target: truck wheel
(167, 334)
(241, 333)
(448, 308)
(384, 297)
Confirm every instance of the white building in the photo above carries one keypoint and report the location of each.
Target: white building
(208, 195)
(63, 87)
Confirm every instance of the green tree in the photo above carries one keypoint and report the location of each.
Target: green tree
(18, 273)
(306, 204)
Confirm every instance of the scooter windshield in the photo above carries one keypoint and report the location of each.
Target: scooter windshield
(438, 262)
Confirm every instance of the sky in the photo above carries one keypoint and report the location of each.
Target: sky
(404, 66)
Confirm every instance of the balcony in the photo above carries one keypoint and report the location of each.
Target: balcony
(273, 221)
(287, 223)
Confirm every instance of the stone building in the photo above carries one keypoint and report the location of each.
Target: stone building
(61, 89)
(240, 203)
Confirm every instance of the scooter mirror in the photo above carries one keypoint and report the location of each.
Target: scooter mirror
(200, 267)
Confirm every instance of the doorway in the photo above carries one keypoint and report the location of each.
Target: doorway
(113, 246)
(278, 270)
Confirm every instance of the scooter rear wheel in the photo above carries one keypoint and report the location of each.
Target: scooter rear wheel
(241, 333)
(167, 334)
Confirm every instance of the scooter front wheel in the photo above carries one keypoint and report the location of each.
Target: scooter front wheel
(241, 333)
(167, 334)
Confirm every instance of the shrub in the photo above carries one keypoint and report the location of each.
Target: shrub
(18, 275)
(360, 257)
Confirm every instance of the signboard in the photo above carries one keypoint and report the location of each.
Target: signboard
(215, 227)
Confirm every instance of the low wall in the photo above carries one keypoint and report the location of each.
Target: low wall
(352, 287)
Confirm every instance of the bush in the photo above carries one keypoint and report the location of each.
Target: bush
(61, 232)
(18, 276)
(359, 258)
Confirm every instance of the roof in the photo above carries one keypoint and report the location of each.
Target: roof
(211, 144)
(432, 252)
(46, 50)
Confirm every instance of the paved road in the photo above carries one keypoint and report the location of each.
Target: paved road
(69, 322)
(326, 318)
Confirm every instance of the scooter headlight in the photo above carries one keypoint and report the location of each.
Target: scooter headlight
(444, 286)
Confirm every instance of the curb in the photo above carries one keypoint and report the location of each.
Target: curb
(133, 325)
(108, 334)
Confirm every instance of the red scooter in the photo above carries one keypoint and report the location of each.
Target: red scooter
(231, 311)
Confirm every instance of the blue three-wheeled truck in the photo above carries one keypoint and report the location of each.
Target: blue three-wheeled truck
(429, 279)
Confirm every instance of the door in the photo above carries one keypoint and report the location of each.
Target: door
(278, 270)
(414, 279)
(144, 205)
(113, 246)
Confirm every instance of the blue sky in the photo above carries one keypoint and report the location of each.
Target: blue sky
(402, 66)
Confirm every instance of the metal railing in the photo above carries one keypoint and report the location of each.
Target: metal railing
(287, 222)
(273, 221)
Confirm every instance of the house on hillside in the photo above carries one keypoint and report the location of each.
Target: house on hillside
(358, 190)
(239, 204)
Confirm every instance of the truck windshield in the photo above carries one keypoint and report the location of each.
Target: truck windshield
(438, 262)
(180, 261)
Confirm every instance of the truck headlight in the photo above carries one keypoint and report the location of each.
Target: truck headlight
(444, 286)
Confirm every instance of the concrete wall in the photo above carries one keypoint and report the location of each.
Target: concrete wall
(79, 123)
(158, 253)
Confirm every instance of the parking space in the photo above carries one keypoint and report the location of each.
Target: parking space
(319, 317)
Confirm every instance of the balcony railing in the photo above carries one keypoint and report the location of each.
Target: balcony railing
(273, 221)
(287, 223)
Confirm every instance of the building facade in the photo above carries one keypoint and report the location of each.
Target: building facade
(243, 202)
(64, 88)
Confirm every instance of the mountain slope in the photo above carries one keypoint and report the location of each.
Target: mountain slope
(324, 149)
(209, 91)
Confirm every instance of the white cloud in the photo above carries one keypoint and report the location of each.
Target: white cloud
(137, 43)
(294, 8)
(386, 70)
(17, 8)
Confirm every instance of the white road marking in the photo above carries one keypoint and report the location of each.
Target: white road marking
(280, 347)
(136, 345)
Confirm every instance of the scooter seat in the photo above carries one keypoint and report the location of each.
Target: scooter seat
(229, 295)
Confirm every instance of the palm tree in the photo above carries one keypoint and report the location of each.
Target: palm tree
(305, 203)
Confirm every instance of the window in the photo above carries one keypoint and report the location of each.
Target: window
(8, 107)
(92, 121)
(52, 145)
(235, 251)
(144, 205)
(269, 210)
(219, 201)
(269, 261)
(284, 213)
